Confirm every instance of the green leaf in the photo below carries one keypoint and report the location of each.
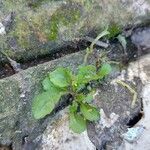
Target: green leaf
(85, 98)
(104, 70)
(44, 103)
(80, 97)
(77, 123)
(73, 108)
(102, 34)
(89, 97)
(61, 77)
(122, 40)
(89, 112)
(86, 74)
(49, 86)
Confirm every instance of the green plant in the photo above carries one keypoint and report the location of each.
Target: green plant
(62, 81)
(114, 30)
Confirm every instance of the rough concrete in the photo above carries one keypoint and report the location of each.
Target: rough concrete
(35, 28)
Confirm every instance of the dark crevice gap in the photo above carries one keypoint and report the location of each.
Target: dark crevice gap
(61, 52)
(115, 54)
(133, 121)
(65, 102)
(6, 70)
(6, 147)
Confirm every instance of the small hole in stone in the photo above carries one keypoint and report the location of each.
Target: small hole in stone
(135, 120)
(25, 139)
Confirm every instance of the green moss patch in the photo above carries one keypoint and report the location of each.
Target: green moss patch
(66, 16)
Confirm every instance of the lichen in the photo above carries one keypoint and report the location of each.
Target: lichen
(66, 16)
(21, 32)
(35, 4)
(41, 24)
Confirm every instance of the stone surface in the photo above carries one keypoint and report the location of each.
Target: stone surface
(16, 94)
(2, 29)
(143, 141)
(36, 28)
(58, 136)
(117, 111)
(141, 39)
(115, 102)
(17, 124)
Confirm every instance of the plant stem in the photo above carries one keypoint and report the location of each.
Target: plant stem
(104, 33)
(86, 56)
(130, 89)
(90, 50)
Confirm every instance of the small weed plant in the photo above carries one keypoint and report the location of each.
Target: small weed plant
(63, 81)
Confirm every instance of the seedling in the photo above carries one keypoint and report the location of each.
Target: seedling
(63, 81)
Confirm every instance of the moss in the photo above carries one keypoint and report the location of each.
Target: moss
(10, 5)
(66, 16)
(114, 30)
(10, 53)
(37, 3)
(22, 33)
(5, 49)
(8, 100)
(42, 25)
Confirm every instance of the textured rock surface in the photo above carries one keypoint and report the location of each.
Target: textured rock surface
(16, 94)
(115, 102)
(29, 29)
(35, 28)
(117, 111)
(143, 141)
(59, 136)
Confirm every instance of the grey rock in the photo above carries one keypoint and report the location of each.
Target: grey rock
(108, 132)
(58, 136)
(143, 141)
(36, 33)
(16, 95)
(2, 29)
(7, 21)
(141, 38)
(115, 100)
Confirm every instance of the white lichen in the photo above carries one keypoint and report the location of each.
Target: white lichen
(2, 29)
